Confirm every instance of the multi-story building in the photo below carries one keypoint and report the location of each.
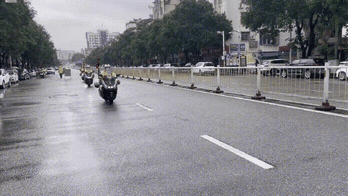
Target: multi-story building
(163, 7)
(243, 42)
(134, 23)
(100, 39)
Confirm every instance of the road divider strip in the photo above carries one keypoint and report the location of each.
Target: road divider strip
(144, 107)
(238, 152)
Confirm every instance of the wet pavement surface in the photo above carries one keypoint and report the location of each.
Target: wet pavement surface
(58, 137)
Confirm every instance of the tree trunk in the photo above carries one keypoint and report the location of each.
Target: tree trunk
(311, 39)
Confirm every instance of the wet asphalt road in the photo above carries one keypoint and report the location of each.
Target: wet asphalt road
(58, 137)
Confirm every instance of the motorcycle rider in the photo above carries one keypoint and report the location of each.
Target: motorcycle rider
(88, 68)
(82, 68)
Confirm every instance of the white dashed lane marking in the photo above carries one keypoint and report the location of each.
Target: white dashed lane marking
(144, 107)
(238, 152)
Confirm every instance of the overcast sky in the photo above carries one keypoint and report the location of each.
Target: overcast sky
(67, 21)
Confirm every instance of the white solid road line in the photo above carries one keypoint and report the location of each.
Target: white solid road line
(238, 152)
(144, 107)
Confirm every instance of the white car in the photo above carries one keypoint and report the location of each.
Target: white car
(204, 68)
(13, 76)
(50, 70)
(267, 67)
(4, 79)
(342, 71)
(33, 73)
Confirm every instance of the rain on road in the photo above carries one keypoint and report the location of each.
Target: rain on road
(58, 137)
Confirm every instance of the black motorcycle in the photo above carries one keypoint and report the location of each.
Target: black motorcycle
(108, 86)
(88, 77)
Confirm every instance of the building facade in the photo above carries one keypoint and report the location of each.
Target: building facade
(65, 55)
(246, 43)
(100, 39)
(163, 7)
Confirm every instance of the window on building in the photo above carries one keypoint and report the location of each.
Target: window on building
(267, 39)
(245, 36)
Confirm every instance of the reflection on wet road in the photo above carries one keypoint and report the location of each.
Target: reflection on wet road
(58, 137)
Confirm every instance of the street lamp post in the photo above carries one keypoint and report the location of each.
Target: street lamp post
(223, 46)
(218, 90)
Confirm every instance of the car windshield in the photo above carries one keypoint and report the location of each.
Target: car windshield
(296, 62)
(199, 64)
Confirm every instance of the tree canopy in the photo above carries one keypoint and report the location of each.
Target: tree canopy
(302, 15)
(188, 29)
(22, 38)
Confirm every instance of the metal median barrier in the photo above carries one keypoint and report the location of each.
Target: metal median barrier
(317, 85)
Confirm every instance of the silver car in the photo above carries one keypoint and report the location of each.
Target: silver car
(271, 67)
(204, 68)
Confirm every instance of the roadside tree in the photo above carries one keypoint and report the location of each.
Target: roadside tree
(304, 16)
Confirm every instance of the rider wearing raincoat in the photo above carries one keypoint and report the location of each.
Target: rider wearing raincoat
(60, 71)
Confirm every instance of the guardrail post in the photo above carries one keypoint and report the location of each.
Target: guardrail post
(140, 69)
(258, 93)
(192, 80)
(173, 75)
(148, 73)
(218, 81)
(122, 71)
(133, 73)
(127, 72)
(159, 76)
(325, 105)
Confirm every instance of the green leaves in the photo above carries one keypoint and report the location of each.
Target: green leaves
(188, 29)
(22, 38)
(303, 15)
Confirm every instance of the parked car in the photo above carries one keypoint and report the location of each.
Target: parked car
(305, 72)
(168, 65)
(204, 68)
(50, 70)
(267, 67)
(4, 79)
(188, 65)
(23, 74)
(342, 71)
(33, 73)
(13, 76)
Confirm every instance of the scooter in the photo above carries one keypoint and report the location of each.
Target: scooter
(107, 86)
(89, 75)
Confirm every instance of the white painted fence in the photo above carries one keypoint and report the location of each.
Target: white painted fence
(293, 86)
